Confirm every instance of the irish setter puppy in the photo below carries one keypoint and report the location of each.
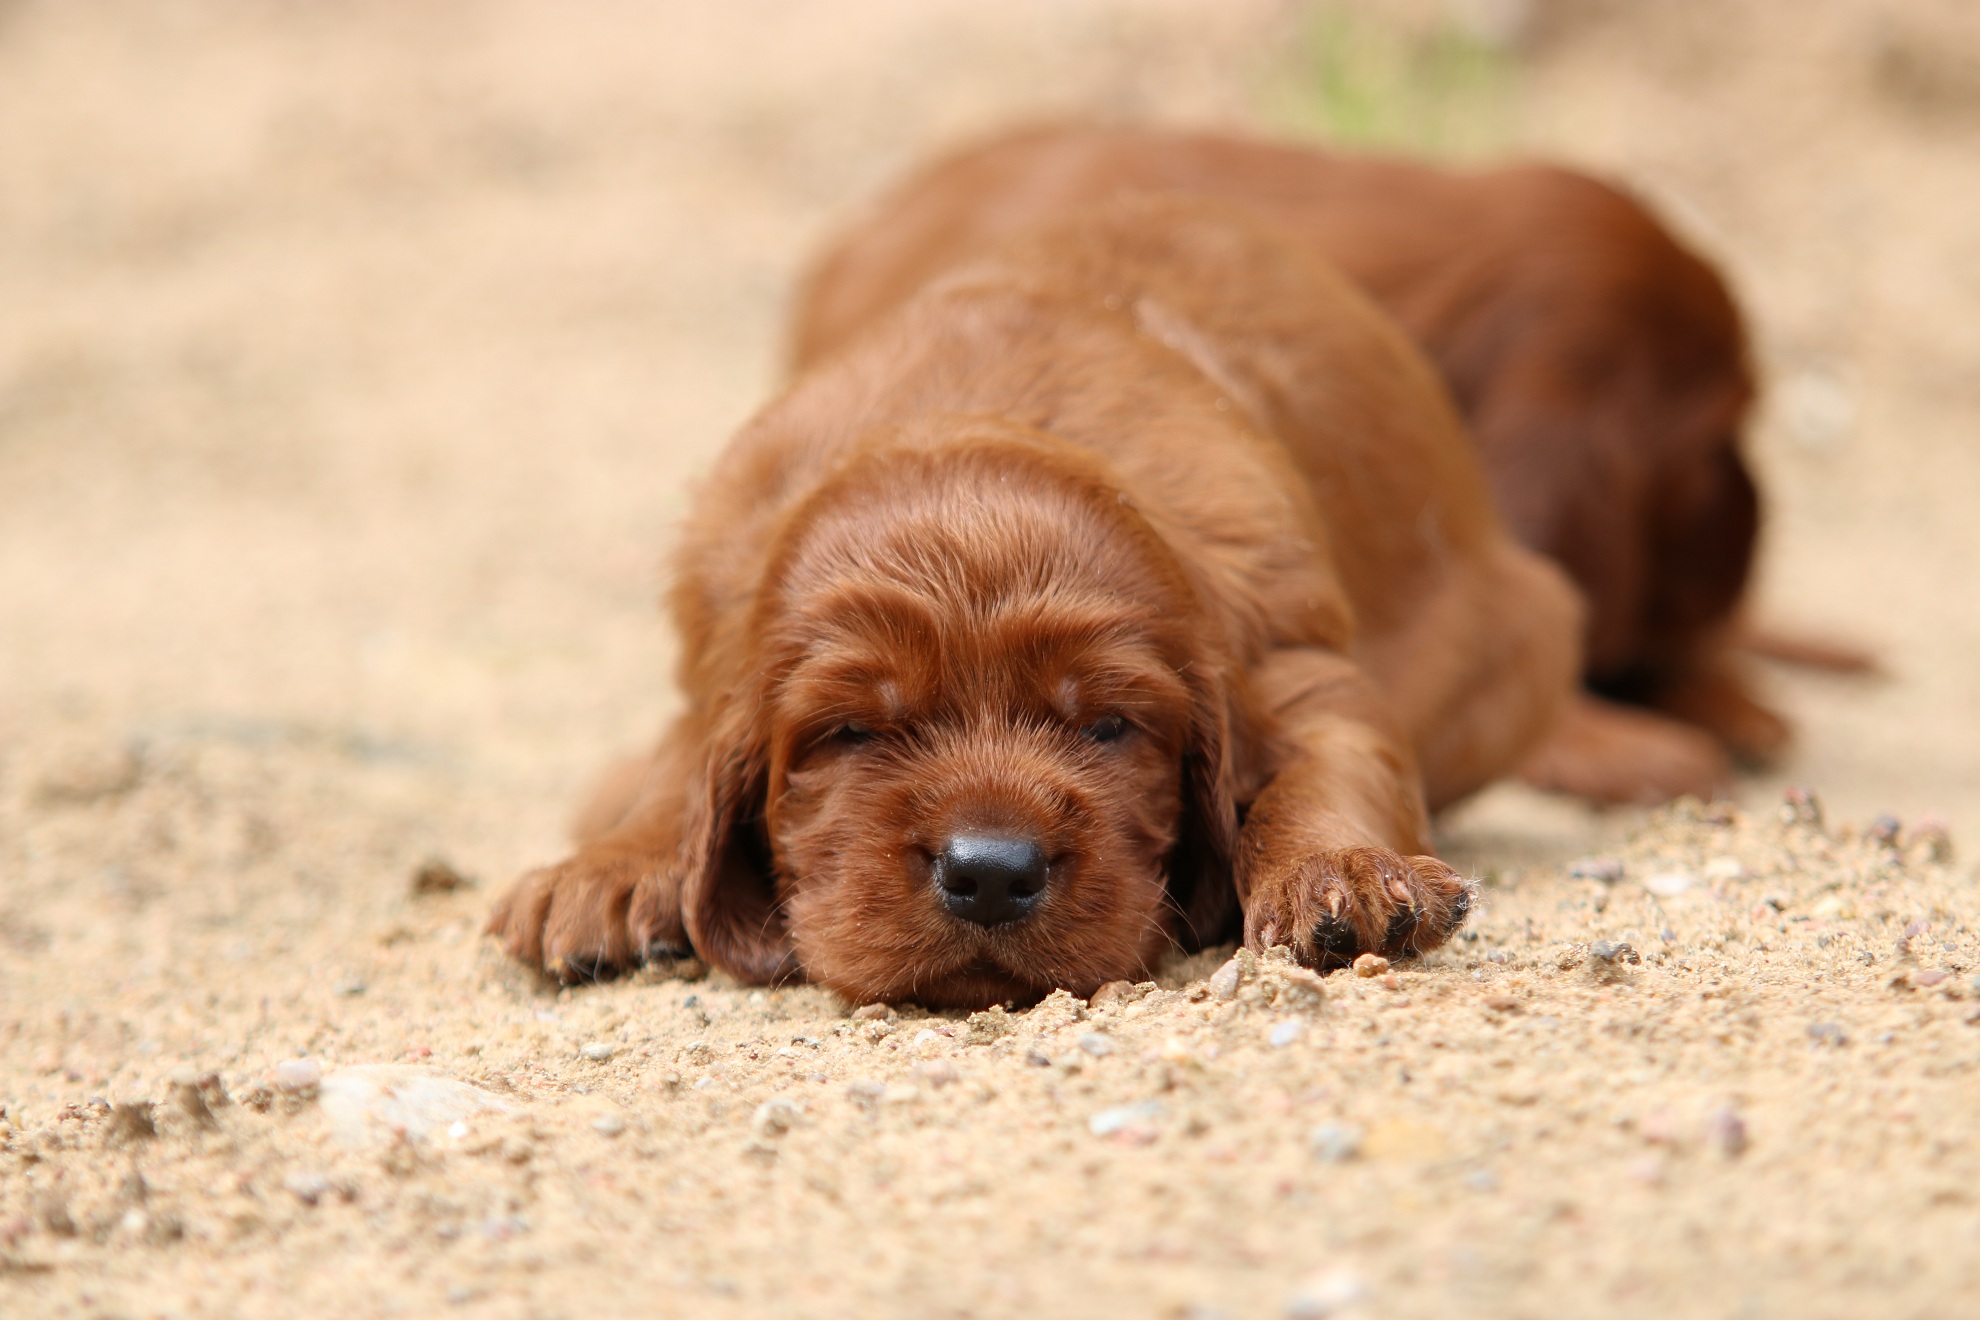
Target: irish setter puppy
(1601, 366)
(1133, 578)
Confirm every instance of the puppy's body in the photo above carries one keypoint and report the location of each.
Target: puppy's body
(1142, 527)
(1601, 367)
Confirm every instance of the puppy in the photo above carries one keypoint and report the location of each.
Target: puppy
(1131, 583)
(1601, 366)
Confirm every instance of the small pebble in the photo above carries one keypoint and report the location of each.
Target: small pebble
(938, 1073)
(436, 875)
(1725, 868)
(132, 1121)
(873, 1013)
(865, 1091)
(1285, 1033)
(1225, 980)
(54, 1213)
(309, 1188)
(1830, 1034)
(1370, 965)
(1608, 870)
(608, 1125)
(298, 1075)
(349, 988)
(900, 1093)
(1116, 992)
(1726, 1130)
(989, 1025)
(1097, 1044)
(1800, 806)
(1929, 837)
(926, 1037)
(1668, 884)
(1122, 1119)
(1648, 1170)
(1036, 1057)
(1325, 1293)
(776, 1116)
(189, 1092)
(1611, 952)
(1335, 1142)
(595, 1050)
(1926, 980)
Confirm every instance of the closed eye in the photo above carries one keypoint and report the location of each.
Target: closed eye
(1106, 729)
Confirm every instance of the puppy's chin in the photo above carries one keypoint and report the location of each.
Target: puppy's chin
(906, 950)
(980, 984)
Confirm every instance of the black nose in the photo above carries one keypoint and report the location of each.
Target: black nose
(990, 878)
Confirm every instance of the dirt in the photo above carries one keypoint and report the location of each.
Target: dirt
(356, 362)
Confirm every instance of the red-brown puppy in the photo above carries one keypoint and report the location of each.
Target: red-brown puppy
(1136, 575)
(1601, 366)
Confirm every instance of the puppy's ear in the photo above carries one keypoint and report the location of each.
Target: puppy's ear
(728, 891)
(1206, 838)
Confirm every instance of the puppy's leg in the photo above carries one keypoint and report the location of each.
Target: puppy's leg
(616, 901)
(1713, 695)
(1334, 859)
(1610, 753)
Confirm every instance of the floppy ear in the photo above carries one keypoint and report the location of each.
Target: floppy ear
(728, 891)
(1206, 837)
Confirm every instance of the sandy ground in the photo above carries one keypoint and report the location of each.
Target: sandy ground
(354, 363)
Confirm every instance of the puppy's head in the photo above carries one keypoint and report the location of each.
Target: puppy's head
(983, 752)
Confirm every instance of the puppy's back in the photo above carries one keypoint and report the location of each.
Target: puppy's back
(1268, 418)
(1601, 366)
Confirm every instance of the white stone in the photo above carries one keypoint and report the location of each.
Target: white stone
(1668, 884)
(378, 1102)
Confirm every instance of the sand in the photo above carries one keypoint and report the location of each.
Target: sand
(356, 362)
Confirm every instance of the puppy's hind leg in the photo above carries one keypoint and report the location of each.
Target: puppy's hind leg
(1613, 754)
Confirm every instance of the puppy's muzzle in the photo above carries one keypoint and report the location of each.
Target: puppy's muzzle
(990, 879)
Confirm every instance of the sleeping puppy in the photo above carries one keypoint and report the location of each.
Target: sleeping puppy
(1129, 582)
(1601, 366)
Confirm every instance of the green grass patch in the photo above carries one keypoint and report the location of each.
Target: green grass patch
(1356, 79)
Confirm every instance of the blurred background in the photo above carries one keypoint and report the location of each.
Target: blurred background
(355, 358)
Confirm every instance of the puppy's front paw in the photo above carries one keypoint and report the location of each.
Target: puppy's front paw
(1331, 906)
(594, 914)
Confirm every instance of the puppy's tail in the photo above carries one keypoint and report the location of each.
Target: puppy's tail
(1806, 650)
